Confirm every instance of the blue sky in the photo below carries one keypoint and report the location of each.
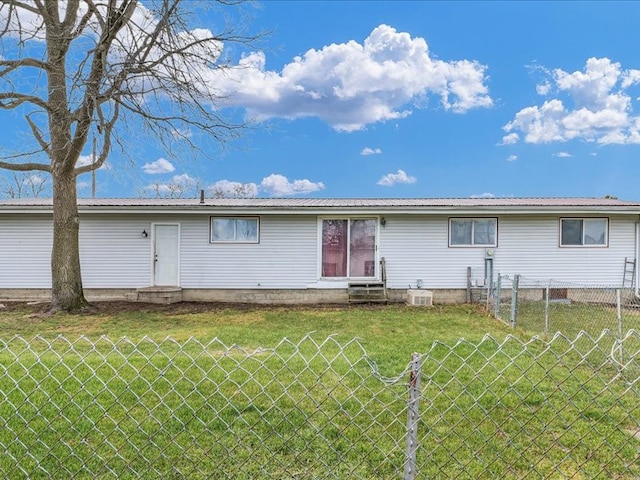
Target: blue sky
(421, 99)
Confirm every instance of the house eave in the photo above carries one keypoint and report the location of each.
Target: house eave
(346, 207)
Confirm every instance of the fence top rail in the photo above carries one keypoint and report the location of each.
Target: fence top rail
(530, 282)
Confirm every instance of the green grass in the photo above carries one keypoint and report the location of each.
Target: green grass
(389, 334)
(310, 406)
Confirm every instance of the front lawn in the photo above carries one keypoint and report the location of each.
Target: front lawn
(144, 391)
(389, 333)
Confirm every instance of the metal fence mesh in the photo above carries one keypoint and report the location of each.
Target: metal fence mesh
(563, 408)
(549, 306)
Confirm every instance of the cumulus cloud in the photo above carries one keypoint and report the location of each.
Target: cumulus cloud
(512, 158)
(510, 139)
(178, 187)
(279, 185)
(88, 160)
(543, 88)
(347, 85)
(370, 151)
(562, 155)
(350, 85)
(229, 189)
(392, 179)
(593, 106)
(159, 166)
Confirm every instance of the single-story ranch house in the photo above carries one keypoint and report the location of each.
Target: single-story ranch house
(312, 250)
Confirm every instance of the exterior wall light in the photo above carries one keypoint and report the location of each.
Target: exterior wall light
(145, 234)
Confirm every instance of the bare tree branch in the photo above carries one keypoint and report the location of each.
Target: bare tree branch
(75, 69)
(25, 167)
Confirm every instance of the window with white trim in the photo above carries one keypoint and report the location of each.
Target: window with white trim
(584, 232)
(235, 230)
(473, 232)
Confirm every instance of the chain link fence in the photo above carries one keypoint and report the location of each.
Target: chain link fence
(550, 306)
(563, 408)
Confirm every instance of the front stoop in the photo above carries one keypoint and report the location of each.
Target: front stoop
(163, 295)
(367, 292)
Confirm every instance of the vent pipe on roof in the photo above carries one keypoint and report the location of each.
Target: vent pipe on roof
(201, 197)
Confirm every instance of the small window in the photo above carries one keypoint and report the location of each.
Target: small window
(234, 229)
(583, 232)
(470, 232)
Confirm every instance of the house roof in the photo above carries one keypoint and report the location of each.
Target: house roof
(332, 205)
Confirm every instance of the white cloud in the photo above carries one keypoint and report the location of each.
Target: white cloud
(370, 151)
(229, 189)
(279, 185)
(347, 85)
(512, 158)
(510, 139)
(178, 186)
(400, 176)
(350, 85)
(484, 195)
(159, 166)
(594, 106)
(543, 88)
(562, 155)
(88, 160)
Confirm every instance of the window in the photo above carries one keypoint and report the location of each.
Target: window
(349, 247)
(234, 229)
(470, 232)
(583, 232)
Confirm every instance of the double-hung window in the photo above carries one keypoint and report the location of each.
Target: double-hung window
(584, 232)
(473, 232)
(235, 230)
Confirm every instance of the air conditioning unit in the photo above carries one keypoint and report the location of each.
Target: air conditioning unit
(420, 298)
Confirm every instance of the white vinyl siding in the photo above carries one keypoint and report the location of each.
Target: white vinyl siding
(415, 248)
(114, 253)
(286, 256)
(25, 251)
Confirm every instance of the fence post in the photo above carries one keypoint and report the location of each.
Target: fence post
(546, 311)
(413, 416)
(619, 315)
(514, 300)
(498, 294)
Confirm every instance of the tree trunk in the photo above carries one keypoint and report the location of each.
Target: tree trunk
(66, 278)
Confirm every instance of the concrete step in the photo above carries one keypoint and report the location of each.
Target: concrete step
(161, 295)
(367, 292)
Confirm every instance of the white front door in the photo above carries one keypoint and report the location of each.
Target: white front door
(166, 258)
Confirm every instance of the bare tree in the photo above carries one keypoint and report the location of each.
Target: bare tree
(180, 187)
(183, 186)
(76, 68)
(234, 190)
(23, 185)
